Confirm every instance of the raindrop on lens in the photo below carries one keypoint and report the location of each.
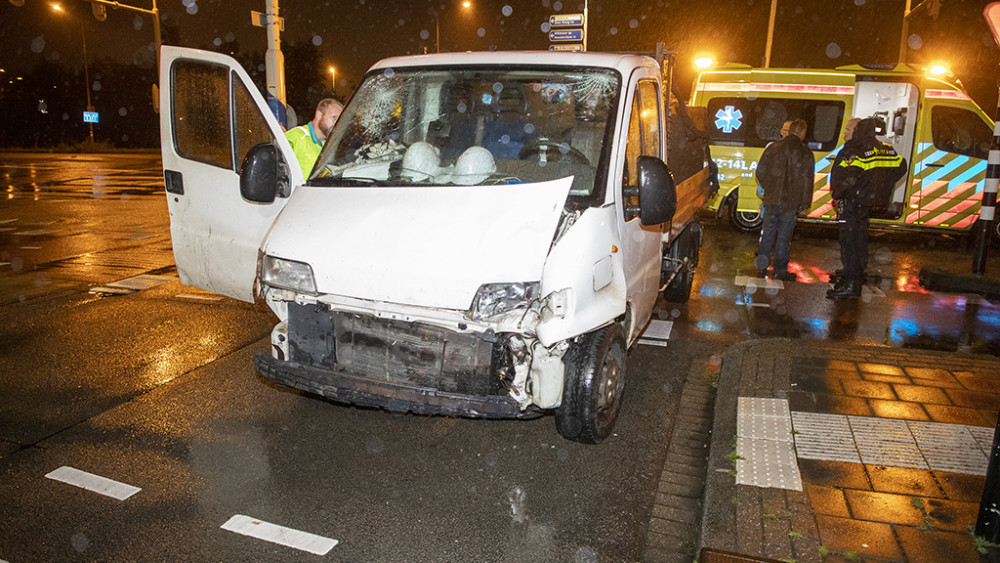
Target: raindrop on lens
(192, 8)
(585, 554)
(217, 42)
(461, 107)
(401, 22)
(859, 2)
(545, 28)
(79, 542)
(731, 316)
(497, 87)
(317, 40)
(389, 73)
(505, 139)
(96, 86)
(915, 42)
(883, 255)
(424, 34)
(833, 50)
(529, 128)
(675, 313)
(557, 6)
(38, 44)
(564, 148)
(122, 112)
(230, 37)
(507, 10)
(633, 23)
(16, 264)
(613, 31)
(65, 116)
(137, 23)
(481, 32)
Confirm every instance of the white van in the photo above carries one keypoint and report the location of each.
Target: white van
(484, 234)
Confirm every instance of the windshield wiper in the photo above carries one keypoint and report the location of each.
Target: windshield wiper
(336, 181)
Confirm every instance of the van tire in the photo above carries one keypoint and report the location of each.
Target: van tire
(679, 290)
(595, 380)
(744, 221)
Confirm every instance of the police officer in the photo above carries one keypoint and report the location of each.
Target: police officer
(307, 140)
(863, 176)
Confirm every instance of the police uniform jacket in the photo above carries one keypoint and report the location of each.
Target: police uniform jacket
(866, 170)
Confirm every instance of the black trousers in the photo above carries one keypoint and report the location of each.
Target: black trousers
(854, 240)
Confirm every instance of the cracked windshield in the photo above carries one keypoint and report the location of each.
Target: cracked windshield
(479, 126)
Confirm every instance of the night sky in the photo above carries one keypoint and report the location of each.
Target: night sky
(353, 34)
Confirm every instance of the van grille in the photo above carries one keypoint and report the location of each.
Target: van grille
(399, 352)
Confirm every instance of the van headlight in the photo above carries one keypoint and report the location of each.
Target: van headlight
(498, 298)
(287, 274)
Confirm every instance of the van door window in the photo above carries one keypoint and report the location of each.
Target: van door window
(960, 131)
(200, 116)
(643, 139)
(741, 122)
(249, 127)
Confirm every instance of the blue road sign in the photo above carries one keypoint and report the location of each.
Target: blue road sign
(90, 117)
(566, 35)
(566, 20)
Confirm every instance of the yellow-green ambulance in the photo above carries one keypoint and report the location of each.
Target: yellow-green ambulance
(929, 119)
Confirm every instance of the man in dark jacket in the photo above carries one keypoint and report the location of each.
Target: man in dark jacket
(785, 173)
(863, 176)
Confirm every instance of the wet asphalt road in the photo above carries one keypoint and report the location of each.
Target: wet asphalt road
(156, 389)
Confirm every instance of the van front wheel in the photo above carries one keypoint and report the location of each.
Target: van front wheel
(745, 221)
(595, 380)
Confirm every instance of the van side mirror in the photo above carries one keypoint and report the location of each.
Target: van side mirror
(657, 193)
(264, 174)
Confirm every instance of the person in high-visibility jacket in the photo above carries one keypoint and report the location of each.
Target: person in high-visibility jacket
(864, 174)
(307, 140)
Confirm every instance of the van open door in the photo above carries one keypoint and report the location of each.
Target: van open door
(211, 116)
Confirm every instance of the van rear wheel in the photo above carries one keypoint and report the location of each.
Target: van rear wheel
(745, 221)
(595, 380)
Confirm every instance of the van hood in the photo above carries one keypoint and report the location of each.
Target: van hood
(423, 246)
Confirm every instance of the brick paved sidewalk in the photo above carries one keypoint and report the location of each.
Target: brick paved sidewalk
(849, 452)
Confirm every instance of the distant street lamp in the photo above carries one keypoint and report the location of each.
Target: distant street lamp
(466, 4)
(333, 79)
(86, 71)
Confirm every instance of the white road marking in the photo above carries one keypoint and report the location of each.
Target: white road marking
(4, 263)
(766, 283)
(657, 333)
(145, 281)
(280, 535)
(91, 482)
(5, 221)
(102, 290)
(31, 248)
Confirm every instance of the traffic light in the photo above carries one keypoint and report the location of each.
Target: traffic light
(99, 12)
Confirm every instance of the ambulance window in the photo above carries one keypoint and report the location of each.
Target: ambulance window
(743, 122)
(200, 112)
(960, 131)
(250, 129)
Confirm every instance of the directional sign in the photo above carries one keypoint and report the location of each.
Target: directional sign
(566, 35)
(259, 19)
(90, 117)
(566, 20)
(566, 47)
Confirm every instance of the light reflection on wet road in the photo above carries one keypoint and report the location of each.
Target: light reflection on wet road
(731, 303)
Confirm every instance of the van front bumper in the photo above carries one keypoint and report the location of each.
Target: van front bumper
(392, 396)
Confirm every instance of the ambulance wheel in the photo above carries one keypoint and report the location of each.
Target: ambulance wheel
(595, 380)
(744, 221)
